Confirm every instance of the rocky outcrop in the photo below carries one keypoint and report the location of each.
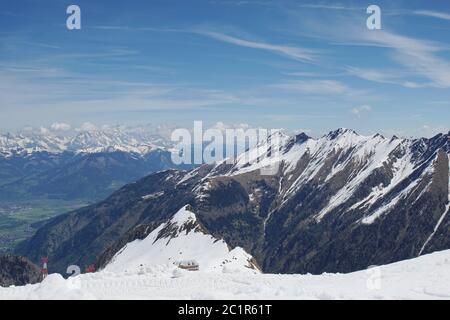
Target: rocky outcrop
(17, 271)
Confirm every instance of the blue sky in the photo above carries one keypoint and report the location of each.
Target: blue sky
(299, 65)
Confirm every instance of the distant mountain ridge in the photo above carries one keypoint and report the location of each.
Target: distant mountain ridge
(90, 176)
(45, 173)
(87, 164)
(338, 203)
(134, 140)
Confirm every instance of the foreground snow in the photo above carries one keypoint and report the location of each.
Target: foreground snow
(426, 277)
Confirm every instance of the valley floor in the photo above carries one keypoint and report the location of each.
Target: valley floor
(19, 220)
(426, 277)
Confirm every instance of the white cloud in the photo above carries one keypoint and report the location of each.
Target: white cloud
(223, 126)
(433, 14)
(87, 126)
(315, 87)
(358, 111)
(430, 131)
(330, 7)
(43, 130)
(371, 74)
(385, 76)
(60, 126)
(27, 129)
(419, 56)
(296, 53)
(303, 130)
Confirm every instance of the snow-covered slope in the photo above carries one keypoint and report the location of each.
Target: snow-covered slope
(179, 241)
(426, 277)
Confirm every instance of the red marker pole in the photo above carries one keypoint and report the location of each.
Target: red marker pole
(90, 268)
(44, 270)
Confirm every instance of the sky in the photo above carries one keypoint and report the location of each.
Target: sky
(310, 66)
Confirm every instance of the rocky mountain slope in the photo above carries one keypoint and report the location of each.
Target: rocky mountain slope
(17, 271)
(339, 203)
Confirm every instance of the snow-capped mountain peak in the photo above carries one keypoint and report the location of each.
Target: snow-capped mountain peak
(180, 240)
(184, 221)
(341, 132)
(363, 175)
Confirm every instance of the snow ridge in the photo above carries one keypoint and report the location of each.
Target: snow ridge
(180, 239)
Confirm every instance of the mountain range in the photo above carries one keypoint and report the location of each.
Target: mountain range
(46, 172)
(140, 140)
(338, 203)
(82, 165)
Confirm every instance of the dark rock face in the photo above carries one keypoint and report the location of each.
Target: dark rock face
(337, 204)
(15, 270)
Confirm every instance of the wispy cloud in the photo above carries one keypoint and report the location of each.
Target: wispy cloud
(316, 87)
(296, 53)
(386, 76)
(325, 6)
(60, 126)
(330, 7)
(39, 44)
(433, 14)
(428, 130)
(108, 53)
(372, 74)
(31, 70)
(306, 74)
(81, 96)
(418, 55)
(8, 13)
(358, 111)
(421, 57)
(243, 2)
